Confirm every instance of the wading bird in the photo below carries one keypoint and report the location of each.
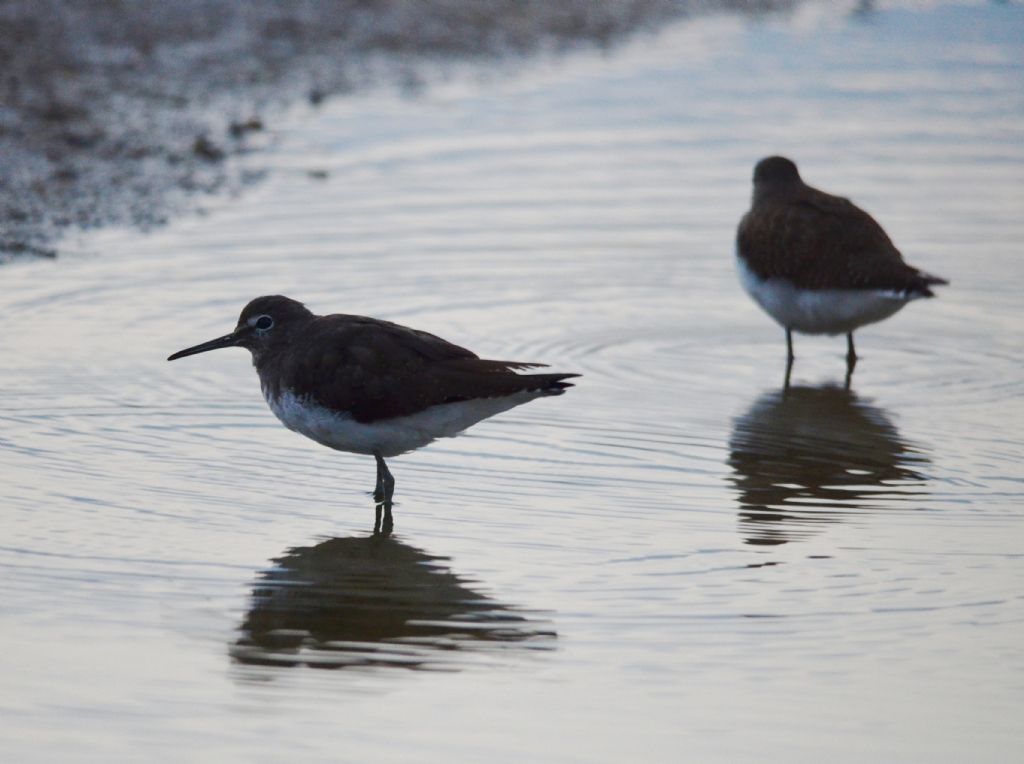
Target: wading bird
(372, 387)
(817, 263)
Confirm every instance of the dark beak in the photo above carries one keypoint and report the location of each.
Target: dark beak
(227, 341)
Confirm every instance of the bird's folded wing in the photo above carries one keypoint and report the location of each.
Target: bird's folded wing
(820, 241)
(377, 370)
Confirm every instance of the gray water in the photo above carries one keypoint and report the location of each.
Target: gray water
(674, 561)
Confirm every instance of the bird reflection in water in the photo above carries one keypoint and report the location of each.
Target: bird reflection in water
(802, 456)
(375, 601)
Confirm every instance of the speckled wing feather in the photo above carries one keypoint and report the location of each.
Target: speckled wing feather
(819, 241)
(377, 370)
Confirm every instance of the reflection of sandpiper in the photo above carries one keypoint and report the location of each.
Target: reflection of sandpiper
(374, 601)
(808, 455)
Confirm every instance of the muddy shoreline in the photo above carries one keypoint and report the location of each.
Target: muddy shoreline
(121, 113)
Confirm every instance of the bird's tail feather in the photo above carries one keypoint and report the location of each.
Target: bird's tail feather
(553, 384)
(924, 283)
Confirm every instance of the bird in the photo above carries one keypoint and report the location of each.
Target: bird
(818, 263)
(368, 386)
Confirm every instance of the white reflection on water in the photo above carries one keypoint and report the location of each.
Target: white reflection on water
(579, 212)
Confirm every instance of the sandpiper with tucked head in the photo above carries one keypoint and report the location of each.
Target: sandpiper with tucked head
(817, 263)
(368, 386)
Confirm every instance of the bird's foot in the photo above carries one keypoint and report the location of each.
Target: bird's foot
(850, 364)
(383, 523)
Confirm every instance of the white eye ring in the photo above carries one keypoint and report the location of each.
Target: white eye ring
(263, 323)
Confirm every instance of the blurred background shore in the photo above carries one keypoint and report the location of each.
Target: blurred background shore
(116, 112)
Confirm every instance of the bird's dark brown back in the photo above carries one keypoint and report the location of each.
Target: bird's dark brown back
(377, 370)
(819, 241)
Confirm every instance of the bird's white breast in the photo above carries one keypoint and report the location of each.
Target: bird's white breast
(389, 437)
(819, 311)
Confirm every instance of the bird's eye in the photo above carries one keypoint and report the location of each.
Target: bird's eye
(264, 322)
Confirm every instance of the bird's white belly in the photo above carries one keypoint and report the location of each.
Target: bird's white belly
(389, 437)
(819, 311)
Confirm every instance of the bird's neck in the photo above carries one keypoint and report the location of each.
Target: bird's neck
(766, 192)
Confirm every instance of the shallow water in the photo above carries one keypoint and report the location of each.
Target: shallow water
(673, 561)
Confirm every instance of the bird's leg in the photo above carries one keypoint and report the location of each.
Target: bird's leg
(851, 358)
(383, 522)
(378, 488)
(385, 482)
(789, 358)
(851, 354)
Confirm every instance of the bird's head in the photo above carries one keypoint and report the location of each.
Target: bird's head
(264, 322)
(775, 170)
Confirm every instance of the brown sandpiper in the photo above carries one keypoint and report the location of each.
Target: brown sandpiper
(369, 386)
(817, 263)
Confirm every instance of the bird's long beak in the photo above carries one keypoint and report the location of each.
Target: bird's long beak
(228, 340)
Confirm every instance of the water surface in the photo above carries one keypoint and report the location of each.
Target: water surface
(677, 560)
